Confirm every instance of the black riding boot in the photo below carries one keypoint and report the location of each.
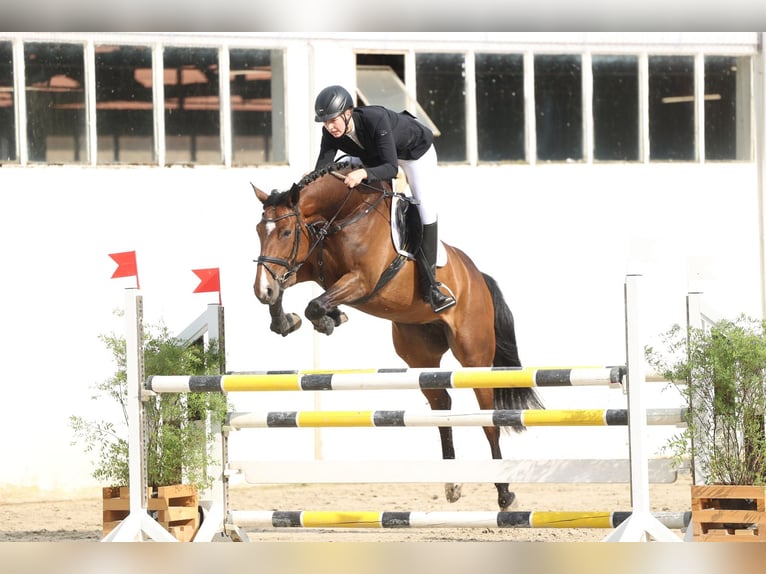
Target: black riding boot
(427, 263)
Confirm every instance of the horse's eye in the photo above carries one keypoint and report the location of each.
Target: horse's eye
(285, 233)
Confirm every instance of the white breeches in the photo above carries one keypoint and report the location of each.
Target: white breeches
(421, 177)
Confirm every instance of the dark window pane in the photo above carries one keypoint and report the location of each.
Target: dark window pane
(124, 119)
(55, 102)
(558, 107)
(257, 106)
(192, 107)
(671, 107)
(500, 106)
(727, 108)
(441, 92)
(7, 108)
(615, 108)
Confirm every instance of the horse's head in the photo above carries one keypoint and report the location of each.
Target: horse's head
(282, 251)
(284, 230)
(295, 222)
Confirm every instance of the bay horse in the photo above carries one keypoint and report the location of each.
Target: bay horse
(340, 238)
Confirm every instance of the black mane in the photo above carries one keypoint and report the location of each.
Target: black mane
(277, 198)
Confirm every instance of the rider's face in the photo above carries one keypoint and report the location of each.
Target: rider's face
(337, 125)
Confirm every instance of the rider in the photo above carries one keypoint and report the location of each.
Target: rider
(384, 140)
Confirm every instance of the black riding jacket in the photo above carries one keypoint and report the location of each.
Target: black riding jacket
(386, 137)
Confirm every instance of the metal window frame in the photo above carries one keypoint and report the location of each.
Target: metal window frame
(20, 101)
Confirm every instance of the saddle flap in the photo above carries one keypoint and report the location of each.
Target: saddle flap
(406, 229)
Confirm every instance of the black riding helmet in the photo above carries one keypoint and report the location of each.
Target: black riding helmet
(332, 102)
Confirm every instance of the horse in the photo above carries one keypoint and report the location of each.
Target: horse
(320, 230)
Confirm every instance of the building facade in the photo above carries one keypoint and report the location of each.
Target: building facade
(566, 161)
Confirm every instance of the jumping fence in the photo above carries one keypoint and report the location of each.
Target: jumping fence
(639, 524)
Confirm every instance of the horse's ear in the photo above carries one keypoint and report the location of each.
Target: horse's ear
(260, 194)
(295, 195)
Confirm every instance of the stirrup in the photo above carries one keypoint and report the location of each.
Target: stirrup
(447, 301)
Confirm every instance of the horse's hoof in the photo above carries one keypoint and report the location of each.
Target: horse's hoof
(294, 323)
(452, 492)
(340, 319)
(325, 325)
(288, 323)
(507, 501)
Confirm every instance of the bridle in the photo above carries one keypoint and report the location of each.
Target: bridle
(291, 265)
(316, 232)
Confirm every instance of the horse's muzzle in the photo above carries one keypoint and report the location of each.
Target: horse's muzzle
(266, 288)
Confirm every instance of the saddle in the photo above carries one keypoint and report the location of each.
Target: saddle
(407, 228)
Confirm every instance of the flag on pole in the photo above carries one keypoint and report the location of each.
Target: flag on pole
(126, 265)
(210, 281)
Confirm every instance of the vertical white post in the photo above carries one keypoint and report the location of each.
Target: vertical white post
(214, 499)
(134, 371)
(636, 381)
(641, 526)
(138, 522)
(759, 91)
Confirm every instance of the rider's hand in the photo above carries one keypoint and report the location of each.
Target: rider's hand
(354, 178)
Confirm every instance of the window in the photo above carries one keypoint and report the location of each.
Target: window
(441, 92)
(7, 107)
(500, 107)
(257, 106)
(124, 104)
(615, 108)
(55, 102)
(558, 107)
(671, 108)
(192, 106)
(727, 108)
(380, 85)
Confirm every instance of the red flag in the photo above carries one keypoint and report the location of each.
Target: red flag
(126, 265)
(210, 281)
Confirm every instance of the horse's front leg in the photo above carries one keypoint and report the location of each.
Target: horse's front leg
(283, 323)
(323, 311)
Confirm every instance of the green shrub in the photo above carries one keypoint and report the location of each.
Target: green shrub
(721, 372)
(178, 441)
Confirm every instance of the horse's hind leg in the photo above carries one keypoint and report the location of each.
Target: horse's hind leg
(422, 346)
(476, 348)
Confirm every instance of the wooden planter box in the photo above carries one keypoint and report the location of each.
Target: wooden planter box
(724, 513)
(174, 507)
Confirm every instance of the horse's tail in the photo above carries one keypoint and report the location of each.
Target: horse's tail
(507, 355)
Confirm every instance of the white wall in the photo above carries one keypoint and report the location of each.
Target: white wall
(558, 238)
